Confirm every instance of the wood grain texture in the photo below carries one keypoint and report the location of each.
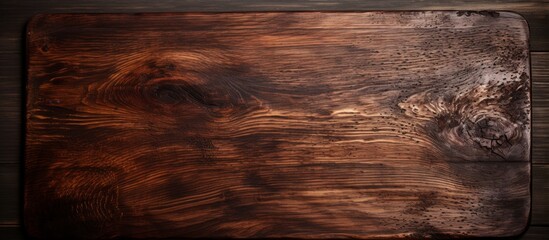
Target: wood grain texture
(15, 13)
(540, 108)
(308, 125)
(532, 233)
(540, 195)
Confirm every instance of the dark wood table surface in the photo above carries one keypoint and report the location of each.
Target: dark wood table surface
(278, 124)
(15, 14)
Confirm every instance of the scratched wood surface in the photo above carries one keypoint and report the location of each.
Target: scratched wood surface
(308, 125)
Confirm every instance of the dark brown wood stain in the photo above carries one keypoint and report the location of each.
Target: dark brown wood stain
(308, 125)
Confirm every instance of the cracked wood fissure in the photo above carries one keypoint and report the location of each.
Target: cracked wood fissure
(299, 124)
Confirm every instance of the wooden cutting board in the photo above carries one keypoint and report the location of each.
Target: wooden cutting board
(295, 124)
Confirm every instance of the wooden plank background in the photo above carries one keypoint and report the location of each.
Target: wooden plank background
(15, 13)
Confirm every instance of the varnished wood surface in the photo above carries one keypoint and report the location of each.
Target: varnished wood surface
(14, 14)
(532, 233)
(9, 187)
(316, 125)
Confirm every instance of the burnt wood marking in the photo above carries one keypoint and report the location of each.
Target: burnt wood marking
(303, 124)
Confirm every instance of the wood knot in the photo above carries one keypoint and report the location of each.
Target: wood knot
(495, 134)
(487, 123)
(174, 84)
